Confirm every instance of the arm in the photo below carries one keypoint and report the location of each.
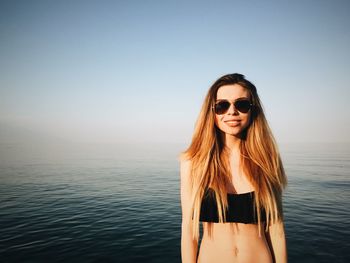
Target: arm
(188, 245)
(277, 242)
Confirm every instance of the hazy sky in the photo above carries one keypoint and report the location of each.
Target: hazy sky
(138, 71)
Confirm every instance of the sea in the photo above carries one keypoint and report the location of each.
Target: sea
(121, 202)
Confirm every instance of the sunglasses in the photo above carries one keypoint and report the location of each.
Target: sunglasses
(242, 105)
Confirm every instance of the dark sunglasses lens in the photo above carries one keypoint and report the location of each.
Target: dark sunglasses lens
(221, 107)
(242, 105)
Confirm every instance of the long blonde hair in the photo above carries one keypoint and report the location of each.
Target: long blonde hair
(260, 159)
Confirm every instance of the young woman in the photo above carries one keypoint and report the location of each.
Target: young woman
(232, 179)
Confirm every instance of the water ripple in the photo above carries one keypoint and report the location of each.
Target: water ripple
(128, 210)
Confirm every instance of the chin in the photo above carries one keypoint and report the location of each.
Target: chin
(236, 131)
(234, 134)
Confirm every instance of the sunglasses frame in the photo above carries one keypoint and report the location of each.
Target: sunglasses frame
(239, 99)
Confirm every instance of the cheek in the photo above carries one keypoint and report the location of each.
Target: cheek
(248, 119)
(217, 121)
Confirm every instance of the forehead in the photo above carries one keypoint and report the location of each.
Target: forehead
(232, 92)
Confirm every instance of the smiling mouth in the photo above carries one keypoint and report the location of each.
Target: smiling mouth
(232, 123)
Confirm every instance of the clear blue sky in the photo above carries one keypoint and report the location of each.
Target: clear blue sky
(138, 71)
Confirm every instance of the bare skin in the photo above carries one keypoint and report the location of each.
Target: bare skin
(234, 242)
(230, 242)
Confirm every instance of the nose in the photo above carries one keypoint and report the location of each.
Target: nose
(232, 109)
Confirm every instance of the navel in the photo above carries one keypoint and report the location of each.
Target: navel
(235, 250)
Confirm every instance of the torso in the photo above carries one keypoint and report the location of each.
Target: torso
(234, 242)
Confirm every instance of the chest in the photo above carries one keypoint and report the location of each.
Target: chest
(239, 180)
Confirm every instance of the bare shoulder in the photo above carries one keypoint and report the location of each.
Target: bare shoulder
(185, 169)
(186, 192)
(185, 163)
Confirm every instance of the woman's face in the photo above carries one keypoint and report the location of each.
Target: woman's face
(232, 122)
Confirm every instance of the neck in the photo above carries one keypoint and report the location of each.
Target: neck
(232, 143)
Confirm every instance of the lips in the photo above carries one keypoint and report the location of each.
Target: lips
(232, 123)
(233, 120)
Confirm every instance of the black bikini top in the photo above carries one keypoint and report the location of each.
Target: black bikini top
(240, 208)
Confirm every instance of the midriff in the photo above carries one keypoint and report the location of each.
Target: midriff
(233, 242)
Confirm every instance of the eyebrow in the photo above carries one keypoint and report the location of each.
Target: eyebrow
(235, 99)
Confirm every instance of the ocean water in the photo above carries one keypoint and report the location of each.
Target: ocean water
(121, 203)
